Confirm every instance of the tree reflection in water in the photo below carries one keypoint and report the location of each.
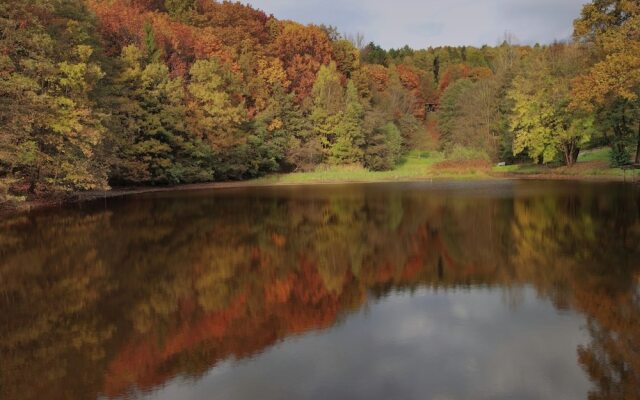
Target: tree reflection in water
(103, 300)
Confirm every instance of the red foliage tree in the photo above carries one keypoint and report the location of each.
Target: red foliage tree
(379, 75)
(461, 71)
(122, 24)
(412, 82)
(302, 49)
(235, 24)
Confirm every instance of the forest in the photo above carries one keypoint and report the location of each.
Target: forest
(106, 93)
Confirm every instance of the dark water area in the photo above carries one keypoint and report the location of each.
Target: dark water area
(484, 290)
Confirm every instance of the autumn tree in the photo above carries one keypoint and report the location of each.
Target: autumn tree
(303, 50)
(238, 26)
(347, 57)
(50, 131)
(473, 117)
(613, 27)
(411, 79)
(541, 120)
(263, 76)
(328, 106)
(216, 113)
(451, 112)
(152, 143)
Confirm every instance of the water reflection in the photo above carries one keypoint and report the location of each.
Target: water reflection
(120, 299)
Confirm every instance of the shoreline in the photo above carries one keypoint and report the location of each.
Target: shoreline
(269, 181)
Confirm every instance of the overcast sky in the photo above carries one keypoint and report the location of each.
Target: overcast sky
(424, 23)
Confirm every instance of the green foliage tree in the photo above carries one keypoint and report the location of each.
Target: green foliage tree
(217, 116)
(401, 54)
(615, 120)
(346, 56)
(181, 9)
(153, 143)
(399, 104)
(50, 131)
(374, 54)
(328, 106)
(542, 122)
(450, 111)
(383, 142)
(349, 139)
(151, 47)
(273, 130)
(613, 26)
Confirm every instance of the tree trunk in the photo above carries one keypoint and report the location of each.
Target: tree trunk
(33, 181)
(575, 154)
(571, 153)
(638, 147)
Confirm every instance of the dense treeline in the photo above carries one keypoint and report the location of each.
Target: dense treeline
(99, 93)
(96, 93)
(548, 102)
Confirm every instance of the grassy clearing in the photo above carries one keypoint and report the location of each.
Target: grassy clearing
(417, 165)
(424, 165)
(591, 164)
(601, 154)
(581, 169)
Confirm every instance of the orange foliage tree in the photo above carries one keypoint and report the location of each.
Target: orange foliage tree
(302, 49)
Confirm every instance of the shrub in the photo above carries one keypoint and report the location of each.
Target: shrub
(5, 192)
(620, 155)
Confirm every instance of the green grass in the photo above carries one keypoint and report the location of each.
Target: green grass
(416, 165)
(520, 169)
(600, 154)
(591, 163)
(419, 165)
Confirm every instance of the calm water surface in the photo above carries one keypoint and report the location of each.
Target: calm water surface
(489, 290)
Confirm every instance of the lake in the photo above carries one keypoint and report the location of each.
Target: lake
(482, 290)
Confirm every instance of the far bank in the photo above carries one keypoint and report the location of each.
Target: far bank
(417, 167)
